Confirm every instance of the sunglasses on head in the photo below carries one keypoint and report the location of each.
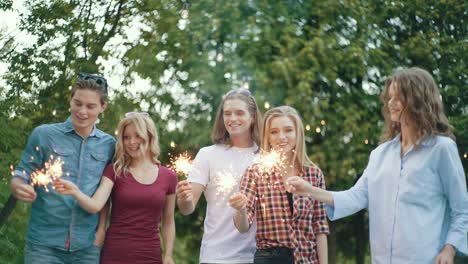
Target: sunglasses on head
(101, 81)
(129, 114)
(243, 91)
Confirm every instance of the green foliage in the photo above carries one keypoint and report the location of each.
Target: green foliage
(6, 4)
(13, 135)
(327, 59)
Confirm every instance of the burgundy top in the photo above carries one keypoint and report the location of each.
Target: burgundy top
(133, 234)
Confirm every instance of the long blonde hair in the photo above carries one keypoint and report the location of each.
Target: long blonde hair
(219, 134)
(146, 130)
(422, 104)
(300, 158)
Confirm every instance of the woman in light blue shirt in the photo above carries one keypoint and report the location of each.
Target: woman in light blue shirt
(414, 186)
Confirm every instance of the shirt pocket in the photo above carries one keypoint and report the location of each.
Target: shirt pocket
(68, 156)
(98, 162)
(302, 206)
(92, 171)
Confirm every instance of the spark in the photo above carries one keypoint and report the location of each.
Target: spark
(182, 164)
(271, 161)
(226, 182)
(52, 170)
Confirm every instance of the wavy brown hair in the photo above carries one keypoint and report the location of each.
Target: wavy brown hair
(219, 134)
(300, 158)
(422, 103)
(146, 130)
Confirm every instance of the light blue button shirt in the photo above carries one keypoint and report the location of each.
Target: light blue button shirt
(55, 218)
(416, 204)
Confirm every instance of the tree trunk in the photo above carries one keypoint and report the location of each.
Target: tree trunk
(332, 244)
(360, 234)
(7, 209)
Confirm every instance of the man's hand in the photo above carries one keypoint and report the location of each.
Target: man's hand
(100, 237)
(184, 192)
(22, 191)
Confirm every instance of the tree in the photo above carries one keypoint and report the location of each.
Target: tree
(328, 60)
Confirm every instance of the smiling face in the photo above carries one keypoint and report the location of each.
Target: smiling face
(237, 118)
(395, 104)
(282, 134)
(85, 107)
(132, 142)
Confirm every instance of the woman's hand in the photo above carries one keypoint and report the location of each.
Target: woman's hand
(238, 201)
(65, 187)
(446, 256)
(297, 185)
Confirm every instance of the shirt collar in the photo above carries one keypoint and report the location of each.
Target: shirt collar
(68, 127)
(425, 142)
(396, 139)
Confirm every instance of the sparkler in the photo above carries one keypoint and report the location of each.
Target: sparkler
(271, 161)
(226, 182)
(52, 170)
(182, 164)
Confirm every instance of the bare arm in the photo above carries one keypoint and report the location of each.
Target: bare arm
(322, 248)
(239, 202)
(22, 191)
(102, 225)
(90, 204)
(299, 186)
(188, 195)
(168, 229)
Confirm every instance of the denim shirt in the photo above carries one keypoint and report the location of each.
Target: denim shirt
(57, 220)
(417, 203)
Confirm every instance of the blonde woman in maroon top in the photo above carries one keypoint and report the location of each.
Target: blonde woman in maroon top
(142, 193)
(290, 228)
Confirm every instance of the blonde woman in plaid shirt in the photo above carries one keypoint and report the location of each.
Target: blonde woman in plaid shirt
(290, 228)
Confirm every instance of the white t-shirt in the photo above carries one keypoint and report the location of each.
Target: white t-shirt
(220, 169)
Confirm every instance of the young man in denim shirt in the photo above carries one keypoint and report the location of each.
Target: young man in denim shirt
(59, 230)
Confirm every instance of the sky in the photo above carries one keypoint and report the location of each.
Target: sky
(10, 19)
(113, 71)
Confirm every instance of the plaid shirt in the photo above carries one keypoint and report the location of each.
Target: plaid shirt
(276, 227)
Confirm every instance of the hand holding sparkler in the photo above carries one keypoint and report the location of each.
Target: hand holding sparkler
(297, 185)
(238, 201)
(184, 192)
(22, 191)
(65, 187)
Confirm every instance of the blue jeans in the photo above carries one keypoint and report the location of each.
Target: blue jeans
(37, 254)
